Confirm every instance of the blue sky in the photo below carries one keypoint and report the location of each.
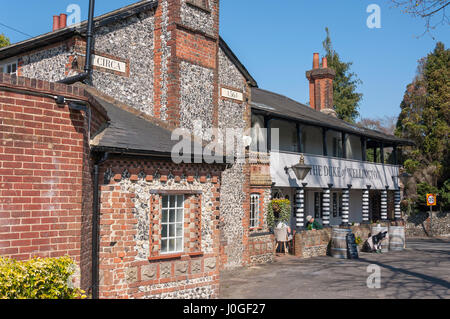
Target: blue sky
(275, 40)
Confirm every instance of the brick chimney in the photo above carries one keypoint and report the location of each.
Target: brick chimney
(62, 20)
(321, 86)
(55, 23)
(59, 22)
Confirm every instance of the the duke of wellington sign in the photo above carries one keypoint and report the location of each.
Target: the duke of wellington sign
(336, 171)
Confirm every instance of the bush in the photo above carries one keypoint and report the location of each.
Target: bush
(48, 278)
(445, 196)
(422, 190)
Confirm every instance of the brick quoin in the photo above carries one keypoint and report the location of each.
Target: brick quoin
(45, 187)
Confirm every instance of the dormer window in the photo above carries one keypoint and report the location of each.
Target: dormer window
(202, 4)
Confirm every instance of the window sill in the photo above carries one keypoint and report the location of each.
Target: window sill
(175, 256)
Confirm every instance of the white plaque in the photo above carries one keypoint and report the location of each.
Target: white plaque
(110, 64)
(234, 95)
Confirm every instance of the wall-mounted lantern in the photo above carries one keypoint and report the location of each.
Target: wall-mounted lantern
(300, 169)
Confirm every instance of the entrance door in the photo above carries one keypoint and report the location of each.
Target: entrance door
(375, 205)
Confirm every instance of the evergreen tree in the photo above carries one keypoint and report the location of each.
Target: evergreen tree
(346, 100)
(425, 118)
(4, 41)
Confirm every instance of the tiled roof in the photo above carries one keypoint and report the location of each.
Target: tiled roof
(284, 107)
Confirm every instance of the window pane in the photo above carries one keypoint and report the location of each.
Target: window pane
(171, 244)
(164, 215)
(179, 229)
(180, 201)
(172, 201)
(172, 230)
(179, 244)
(14, 68)
(163, 246)
(164, 231)
(171, 216)
(165, 201)
(179, 215)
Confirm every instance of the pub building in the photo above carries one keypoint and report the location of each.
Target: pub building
(341, 186)
(88, 113)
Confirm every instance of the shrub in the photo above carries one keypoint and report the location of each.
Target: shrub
(422, 190)
(48, 278)
(445, 196)
(279, 210)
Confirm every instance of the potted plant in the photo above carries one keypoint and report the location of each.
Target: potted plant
(279, 210)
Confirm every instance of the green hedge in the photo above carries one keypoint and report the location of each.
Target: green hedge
(47, 278)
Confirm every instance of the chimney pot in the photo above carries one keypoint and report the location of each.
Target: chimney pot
(55, 23)
(62, 20)
(316, 61)
(321, 85)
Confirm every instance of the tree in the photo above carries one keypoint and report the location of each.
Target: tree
(4, 41)
(425, 119)
(427, 9)
(346, 100)
(386, 124)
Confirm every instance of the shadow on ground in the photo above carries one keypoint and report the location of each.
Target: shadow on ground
(420, 271)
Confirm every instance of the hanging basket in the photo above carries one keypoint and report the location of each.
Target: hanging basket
(279, 211)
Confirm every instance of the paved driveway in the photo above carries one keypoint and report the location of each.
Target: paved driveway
(420, 271)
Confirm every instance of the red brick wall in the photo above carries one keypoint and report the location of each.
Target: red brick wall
(45, 200)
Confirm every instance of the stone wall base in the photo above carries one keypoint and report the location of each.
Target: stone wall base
(314, 243)
(261, 249)
(418, 225)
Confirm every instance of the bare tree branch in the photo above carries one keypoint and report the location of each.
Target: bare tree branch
(426, 9)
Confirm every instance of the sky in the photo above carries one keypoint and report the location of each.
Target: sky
(276, 40)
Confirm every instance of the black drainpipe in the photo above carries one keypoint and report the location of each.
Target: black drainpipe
(89, 38)
(99, 159)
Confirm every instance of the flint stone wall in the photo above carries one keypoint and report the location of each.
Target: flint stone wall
(131, 39)
(48, 64)
(232, 197)
(198, 19)
(418, 225)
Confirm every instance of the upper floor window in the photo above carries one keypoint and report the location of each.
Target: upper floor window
(254, 210)
(288, 136)
(172, 224)
(9, 68)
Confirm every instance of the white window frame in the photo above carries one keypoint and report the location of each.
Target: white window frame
(254, 210)
(5, 64)
(166, 222)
